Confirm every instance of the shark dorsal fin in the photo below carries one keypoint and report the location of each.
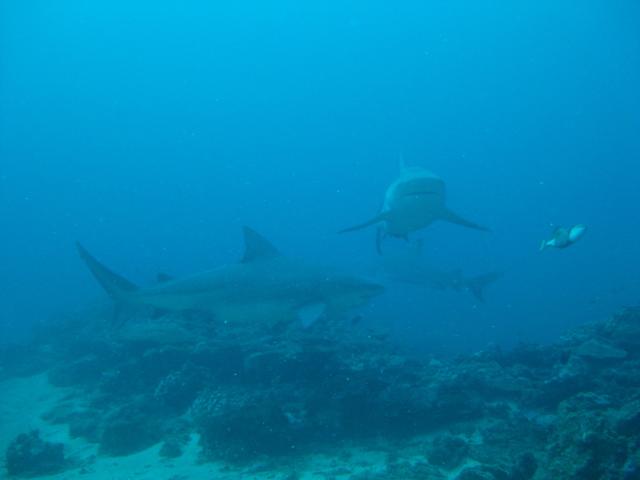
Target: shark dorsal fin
(256, 247)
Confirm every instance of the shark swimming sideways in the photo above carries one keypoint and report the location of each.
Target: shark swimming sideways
(413, 201)
(263, 286)
(411, 268)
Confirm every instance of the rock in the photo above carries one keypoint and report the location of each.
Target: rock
(264, 366)
(83, 372)
(623, 329)
(627, 419)
(171, 449)
(83, 423)
(532, 356)
(240, 424)
(631, 469)
(129, 430)
(21, 361)
(176, 439)
(447, 451)
(524, 468)
(595, 350)
(179, 389)
(569, 379)
(29, 455)
(482, 472)
(584, 446)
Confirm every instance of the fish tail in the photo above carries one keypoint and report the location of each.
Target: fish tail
(476, 285)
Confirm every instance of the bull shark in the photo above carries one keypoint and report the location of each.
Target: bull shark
(413, 201)
(413, 269)
(263, 285)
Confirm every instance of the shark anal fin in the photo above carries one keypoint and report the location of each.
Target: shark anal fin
(452, 217)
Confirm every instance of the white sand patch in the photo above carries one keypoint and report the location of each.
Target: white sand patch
(23, 401)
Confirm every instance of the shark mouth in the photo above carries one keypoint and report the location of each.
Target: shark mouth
(418, 193)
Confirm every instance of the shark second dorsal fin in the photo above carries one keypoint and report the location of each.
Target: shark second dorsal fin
(256, 247)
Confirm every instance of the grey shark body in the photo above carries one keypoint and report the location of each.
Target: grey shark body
(264, 285)
(413, 269)
(415, 200)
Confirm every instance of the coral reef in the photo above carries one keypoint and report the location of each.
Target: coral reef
(30, 456)
(569, 410)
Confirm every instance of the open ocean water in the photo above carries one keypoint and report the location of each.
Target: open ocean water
(206, 155)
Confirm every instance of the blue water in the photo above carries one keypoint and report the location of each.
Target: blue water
(153, 131)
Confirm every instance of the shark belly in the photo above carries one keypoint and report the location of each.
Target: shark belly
(411, 213)
(178, 302)
(230, 310)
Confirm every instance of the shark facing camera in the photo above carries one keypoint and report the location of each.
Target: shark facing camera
(415, 200)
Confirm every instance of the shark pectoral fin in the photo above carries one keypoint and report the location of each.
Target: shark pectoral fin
(449, 216)
(310, 313)
(377, 219)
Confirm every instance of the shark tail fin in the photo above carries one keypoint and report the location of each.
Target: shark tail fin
(476, 285)
(543, 245)
(116, 286)
(449, 216)
(377, 219)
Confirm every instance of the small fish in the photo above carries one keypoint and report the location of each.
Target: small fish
(564, 237)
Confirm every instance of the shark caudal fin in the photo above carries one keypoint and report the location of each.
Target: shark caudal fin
(452, 217)
(476, 285)
(116, 286)
(377, 219)
(543, 245)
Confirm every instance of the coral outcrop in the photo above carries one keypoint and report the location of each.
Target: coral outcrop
(569, 410)
(30, 456)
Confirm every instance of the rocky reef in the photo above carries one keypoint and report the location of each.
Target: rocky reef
(30, 456)
(569, 410)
